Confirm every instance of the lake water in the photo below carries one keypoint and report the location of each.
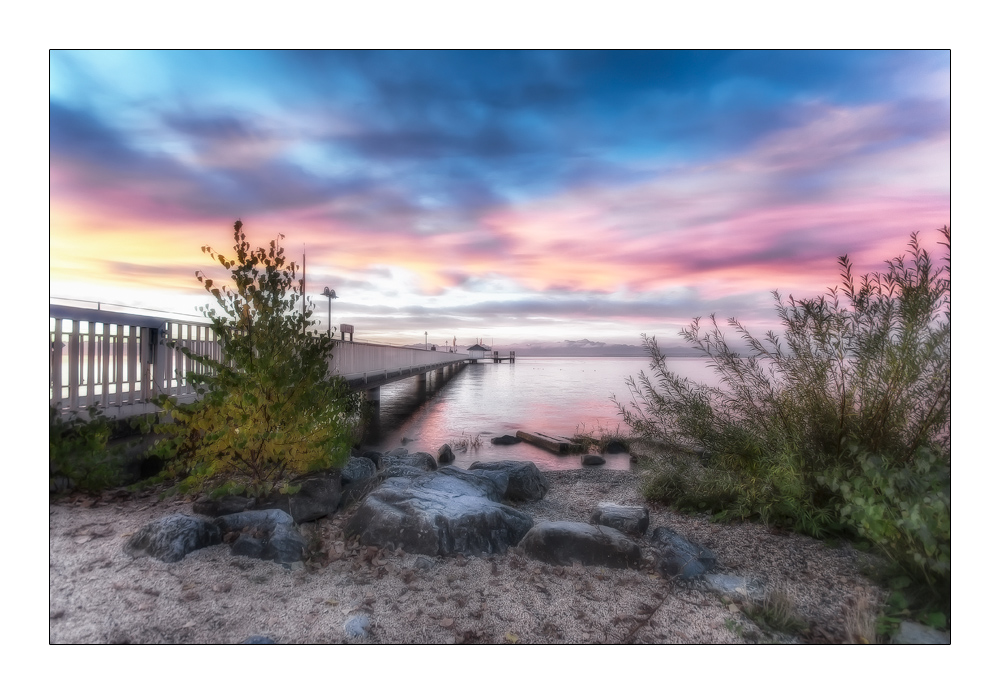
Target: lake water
(556, 396)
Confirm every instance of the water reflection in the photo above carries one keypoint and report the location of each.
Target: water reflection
(472, 405)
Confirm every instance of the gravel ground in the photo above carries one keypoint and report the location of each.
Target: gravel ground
(98, 594)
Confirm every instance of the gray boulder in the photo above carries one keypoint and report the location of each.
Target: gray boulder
(258, 640)
(445, 454)
(278, 538)
(357, 469)
(440, 513)
(318, 496)
(397, 453)
(357, 626)
(170, 538)
(373, 456)
(526, 482)
(499, 478)
(421, 461)
(564, 542)
(632, 520)
(679, 557)
(505, 440)
(592, 460)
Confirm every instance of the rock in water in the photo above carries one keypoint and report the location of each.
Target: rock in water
(445, 454)
(564, 542)
(679, 556)
(169, 539)
(505, 440)
(632, 520)
(440, 513)
(525, 481)
(592, 460)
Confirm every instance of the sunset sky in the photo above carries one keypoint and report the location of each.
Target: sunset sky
(516, 197)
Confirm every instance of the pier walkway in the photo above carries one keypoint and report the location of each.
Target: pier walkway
(121, 363)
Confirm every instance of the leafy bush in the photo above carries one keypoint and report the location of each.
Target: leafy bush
(842, 424)
(269, 408)
(78, 452)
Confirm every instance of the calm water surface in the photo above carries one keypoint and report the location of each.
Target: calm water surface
(556, 396)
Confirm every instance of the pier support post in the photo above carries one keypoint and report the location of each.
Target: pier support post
(373, 395)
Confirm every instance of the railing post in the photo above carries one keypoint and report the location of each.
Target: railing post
(73, 377)
(105, 366)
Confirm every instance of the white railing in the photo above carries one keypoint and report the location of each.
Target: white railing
(121, 363)
(354, 359)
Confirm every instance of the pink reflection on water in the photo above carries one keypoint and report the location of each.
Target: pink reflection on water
(556, 396)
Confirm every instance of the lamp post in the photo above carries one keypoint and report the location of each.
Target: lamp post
(425, 340)
(329, 294)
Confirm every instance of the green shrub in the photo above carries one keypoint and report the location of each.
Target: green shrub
(269, 409)
(79, 457)
(841, 424)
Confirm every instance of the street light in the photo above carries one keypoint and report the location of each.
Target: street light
(425, 340)
(329, 294)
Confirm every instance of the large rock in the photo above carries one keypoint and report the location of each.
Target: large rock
(565, 542)
(318, 496)
(170, 538)
(445, 454)
(278, 538)
(357, 469)
(438, 513)
(591, 460)
(505, 440)
(525, 482)
(679, 556)
(421, 461)
(632, 520)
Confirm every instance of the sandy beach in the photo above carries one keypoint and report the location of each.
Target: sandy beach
(98, 594)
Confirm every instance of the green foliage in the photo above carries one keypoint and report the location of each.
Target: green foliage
(79, 457)
(776, 612)
(841, 425)
(269, 409)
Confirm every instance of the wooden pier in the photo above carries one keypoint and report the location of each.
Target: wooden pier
(556, 444)
(497, 358)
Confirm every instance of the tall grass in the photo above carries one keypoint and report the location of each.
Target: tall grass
(840, 424)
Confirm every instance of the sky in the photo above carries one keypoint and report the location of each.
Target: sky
(577, 198)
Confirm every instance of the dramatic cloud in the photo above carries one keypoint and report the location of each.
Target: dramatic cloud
(556, 195)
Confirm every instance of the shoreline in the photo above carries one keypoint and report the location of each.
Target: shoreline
(97, 594)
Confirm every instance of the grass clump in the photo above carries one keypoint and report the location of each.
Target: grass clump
(79, 457)
(839, 426)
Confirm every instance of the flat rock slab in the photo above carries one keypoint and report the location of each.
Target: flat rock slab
(914, 633)
(170, 538)
(524, 480)
(446, 512)
(631, 520)
(735, 587)
(265, 534)
(679, 557)
(564, 542)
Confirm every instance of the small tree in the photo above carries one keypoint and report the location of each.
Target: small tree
(269, 409)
